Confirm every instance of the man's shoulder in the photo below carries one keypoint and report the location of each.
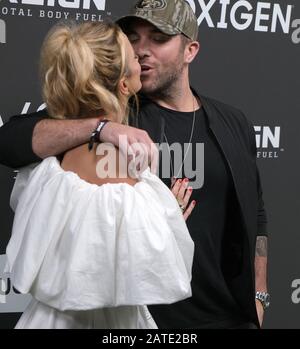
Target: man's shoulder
(221, 106)
(224, 110)
(229, 116)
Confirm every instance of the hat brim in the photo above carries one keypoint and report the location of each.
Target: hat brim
(160, 25)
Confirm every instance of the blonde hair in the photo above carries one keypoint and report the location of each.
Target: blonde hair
(81, 67)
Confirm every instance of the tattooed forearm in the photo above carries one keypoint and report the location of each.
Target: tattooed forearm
(261, 246)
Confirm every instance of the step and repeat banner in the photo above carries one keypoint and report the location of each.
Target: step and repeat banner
(249, 58)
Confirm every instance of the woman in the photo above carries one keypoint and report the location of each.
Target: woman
(92, 243)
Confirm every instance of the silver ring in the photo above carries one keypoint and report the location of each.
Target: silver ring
(182, 207)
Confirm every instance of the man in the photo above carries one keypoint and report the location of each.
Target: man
(228, 225)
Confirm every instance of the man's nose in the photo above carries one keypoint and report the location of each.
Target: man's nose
(142, 49)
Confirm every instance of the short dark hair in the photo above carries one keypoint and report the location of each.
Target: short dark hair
(184, 40)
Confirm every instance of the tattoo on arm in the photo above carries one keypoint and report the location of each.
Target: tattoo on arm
(261, 246)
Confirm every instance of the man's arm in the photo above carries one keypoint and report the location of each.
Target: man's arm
(261, 250)
(52, 137)
(28, 139)
(261, 255)
(15, 140)
(31, 138)
(261, 272)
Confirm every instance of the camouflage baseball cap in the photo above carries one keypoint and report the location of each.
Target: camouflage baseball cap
(172, 17)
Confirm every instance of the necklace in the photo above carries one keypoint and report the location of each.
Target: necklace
(189, 144)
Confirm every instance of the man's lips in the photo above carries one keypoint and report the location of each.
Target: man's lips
(146, 68)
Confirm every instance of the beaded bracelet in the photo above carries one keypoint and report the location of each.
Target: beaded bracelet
(95, 136)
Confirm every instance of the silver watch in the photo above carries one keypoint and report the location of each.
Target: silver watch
(264, 298)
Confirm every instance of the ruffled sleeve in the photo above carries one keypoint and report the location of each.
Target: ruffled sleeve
(79, 246)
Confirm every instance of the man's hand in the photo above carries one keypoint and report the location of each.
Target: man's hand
(132, 142)
(260, 311)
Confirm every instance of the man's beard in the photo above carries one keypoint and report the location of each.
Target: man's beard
(164, 85)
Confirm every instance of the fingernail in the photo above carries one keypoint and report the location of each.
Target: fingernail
(186, 180)
(194, 202)
(190, 189)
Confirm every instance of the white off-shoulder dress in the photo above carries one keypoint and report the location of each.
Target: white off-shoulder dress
(94, 256)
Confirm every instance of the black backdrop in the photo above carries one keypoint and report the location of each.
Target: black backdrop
(250, 54)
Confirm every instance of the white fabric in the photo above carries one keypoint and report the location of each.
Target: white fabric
(41, 316)
(77, 246)
(20, 184)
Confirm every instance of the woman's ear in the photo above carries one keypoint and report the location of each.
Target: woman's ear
(123, 87)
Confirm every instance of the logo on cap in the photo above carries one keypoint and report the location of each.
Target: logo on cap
(151, 5)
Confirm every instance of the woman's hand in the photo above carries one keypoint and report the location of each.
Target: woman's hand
(182, 192)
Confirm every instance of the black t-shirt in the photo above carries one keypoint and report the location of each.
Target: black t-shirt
(211, 305)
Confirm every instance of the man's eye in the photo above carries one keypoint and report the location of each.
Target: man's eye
(160, 38)
(132, 37)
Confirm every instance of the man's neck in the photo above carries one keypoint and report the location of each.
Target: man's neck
(179, 98)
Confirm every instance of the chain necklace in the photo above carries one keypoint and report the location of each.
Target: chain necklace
(185, 155)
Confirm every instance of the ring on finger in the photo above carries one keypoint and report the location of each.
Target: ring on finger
(182, 207)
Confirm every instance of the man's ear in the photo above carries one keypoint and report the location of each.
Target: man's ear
(123, 87)
(191, 51)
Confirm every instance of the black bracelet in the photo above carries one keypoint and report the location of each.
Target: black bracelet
(95, 136)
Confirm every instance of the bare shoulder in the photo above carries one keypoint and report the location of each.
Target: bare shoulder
(103, 164)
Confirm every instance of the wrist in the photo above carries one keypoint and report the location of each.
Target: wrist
(263, 298)
(102, 128)
(95, 137)
(89, 127)
(259, 304)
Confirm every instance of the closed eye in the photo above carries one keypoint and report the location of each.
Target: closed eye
(160, 38)
(132, 37)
